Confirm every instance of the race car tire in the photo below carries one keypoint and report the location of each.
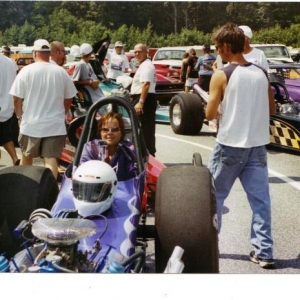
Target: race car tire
(197, 160)
(86, 95)
(185, 216)
(74, 130)
(186, 114)
(23, 189)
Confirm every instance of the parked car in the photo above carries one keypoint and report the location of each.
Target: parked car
(167, 60)
(57, 239)
(275, 52)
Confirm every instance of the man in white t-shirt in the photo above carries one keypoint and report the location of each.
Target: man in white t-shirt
(84, 74)
(143, 95)
(43, 94)
(7, 77)
(58, 53)
(117, 61)
(252, 54)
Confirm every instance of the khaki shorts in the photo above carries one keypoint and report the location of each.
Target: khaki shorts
(49, 147)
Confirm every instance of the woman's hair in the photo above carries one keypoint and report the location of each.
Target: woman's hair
(112, 115)
(185, 55)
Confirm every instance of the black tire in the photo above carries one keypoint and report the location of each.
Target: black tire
(185, 216)
(186, 114)
(23, 189)
(197, 160)
(74, 130)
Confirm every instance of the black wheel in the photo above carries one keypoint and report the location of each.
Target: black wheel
(75, 128)
(185, 216)
(186, 114)
(23, 189)
(197, 160)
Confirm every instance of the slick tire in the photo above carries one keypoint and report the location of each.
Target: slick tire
(185, 216)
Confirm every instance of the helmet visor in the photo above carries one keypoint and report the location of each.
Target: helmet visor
(91, 192)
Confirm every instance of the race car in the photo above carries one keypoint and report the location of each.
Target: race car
(187, 111)
(56, 236)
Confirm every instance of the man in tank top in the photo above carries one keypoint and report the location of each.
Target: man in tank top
(241, 96)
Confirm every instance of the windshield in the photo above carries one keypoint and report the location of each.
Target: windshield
(169, 54)
(274, 51)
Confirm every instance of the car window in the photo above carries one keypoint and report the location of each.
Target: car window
(169, 54)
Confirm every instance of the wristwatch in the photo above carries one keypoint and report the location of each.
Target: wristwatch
(142, 101)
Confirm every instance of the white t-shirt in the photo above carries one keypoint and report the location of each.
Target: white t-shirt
(257, 56)
(7, 77)
(116, 65)
(84, 71)
(145, 73)
(43, 86)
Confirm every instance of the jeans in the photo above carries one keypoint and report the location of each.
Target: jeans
(250, 166)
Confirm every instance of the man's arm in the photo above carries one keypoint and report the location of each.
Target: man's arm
(139, 106)
(18, 102)
(216, 92)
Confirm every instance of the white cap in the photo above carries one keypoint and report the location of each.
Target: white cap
(41, 45)
(247, 31)
(86, 49)
(119, 44)
(75, 50)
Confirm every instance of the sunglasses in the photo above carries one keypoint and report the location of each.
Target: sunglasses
(110, 129)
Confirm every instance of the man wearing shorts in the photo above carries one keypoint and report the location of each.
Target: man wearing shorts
(42, 94)
(7, 77)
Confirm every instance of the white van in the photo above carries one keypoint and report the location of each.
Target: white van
(275, 52)
(172, 56)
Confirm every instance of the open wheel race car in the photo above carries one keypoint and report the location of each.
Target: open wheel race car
(41, 229)
(187, 113)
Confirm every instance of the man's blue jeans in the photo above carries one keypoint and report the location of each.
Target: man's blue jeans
(250, 166)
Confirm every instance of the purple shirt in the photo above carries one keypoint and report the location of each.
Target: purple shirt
(123, 162)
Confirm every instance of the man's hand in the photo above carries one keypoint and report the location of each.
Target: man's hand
(95, 84)
(139, 108)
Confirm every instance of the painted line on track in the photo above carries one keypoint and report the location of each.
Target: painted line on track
(284, 178)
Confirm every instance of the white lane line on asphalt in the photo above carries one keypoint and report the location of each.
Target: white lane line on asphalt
(284, 178)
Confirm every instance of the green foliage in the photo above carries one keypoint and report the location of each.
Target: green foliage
(155, 23)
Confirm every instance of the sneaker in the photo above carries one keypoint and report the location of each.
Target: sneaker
(263, 263)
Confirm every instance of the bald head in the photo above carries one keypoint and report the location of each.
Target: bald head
(58, 54)
(140, 52)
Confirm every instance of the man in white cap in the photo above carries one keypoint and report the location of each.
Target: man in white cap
(84, 74)
(117, 61)
(43, 93)
(252, 54)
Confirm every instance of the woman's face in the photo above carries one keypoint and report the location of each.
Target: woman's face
(111, 132)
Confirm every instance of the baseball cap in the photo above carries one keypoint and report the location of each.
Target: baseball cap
(41, 45)
(206, 47)
(85, 49)
(119, 44)
(247, 31)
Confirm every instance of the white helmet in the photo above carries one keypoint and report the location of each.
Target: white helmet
(94, 187)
